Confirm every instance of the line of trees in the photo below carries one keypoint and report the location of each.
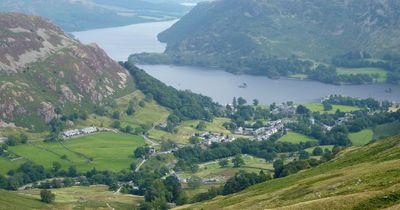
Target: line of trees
(262, 149)
(185, 104)
(239, 182)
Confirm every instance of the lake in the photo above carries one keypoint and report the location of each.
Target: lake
(120, 42)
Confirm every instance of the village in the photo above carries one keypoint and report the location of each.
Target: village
(77, 132)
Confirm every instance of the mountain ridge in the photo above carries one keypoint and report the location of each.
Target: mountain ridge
(42, 69)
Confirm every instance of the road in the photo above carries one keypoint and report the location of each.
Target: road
(140, 165)
(2, 140)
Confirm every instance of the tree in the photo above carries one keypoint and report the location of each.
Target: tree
(234, 103)
(223, 163)
(72, 172)
(194, 140)
(47, 196)
(302, 110)
(303, 155)
(116, 124)
(141, 152)
(237, 161)
(317, 151)
(201, 126)
(56, 166)
(174, 187)
(131, 110)
(116, 115)
(256, 102)
(327, 155)
(23, 138)
(12, 140)
(128, 129)
(156, 190)
(278, 168)
(241, 101)
(327, 106)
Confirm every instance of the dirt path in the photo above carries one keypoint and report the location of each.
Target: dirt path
(109, 206)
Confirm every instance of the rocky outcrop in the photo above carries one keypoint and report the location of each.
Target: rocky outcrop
(42, 68)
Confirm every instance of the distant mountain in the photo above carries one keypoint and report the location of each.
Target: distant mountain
(143, 5)
(358, 178)
(77, 15)
(43, 70)
(240, 34)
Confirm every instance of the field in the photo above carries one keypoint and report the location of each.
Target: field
(382, 74)
(92, 197)
(191, 192)
(295, 138)
(361, 138)
(188, 128)
(149, 114)
(359, 178)
(105, 151)
(13, 200)
(317, 107)
(212, 169)
(385, 130)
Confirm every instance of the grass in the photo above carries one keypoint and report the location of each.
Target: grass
(387, 129)
(356, 177)
(191, 192)
(7, 165)
(188, 128)
(109, 151)
(105, 151)
(151, 113)
(382, 73)
(85, 194)
(361, 138)
(324, 147)
(93, 197)
(13, 200)
(317, 107)
(212, 169)
(295, 138)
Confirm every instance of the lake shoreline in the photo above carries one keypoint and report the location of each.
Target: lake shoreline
(217, 83)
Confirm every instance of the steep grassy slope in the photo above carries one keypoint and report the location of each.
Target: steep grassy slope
(364, 178)
(42, 68)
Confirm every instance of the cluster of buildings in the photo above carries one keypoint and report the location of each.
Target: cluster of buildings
(284, 108)
(263, 133)
(340, 121)
(76, 132)
(208, 138)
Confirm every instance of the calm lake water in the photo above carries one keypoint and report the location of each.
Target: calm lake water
(120, 42)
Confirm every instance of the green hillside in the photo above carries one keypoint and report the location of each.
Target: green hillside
(359, 178)
(284, 38)
(19, 201)
(90, 14)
